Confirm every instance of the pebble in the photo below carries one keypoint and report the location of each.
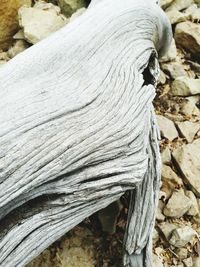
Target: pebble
(188, 129)
(167, 128)
(181, 236)
(185, 86)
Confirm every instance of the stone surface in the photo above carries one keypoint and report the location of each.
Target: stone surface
(187, 35)
(176, 16)
(171, 53)
(180, 4)
(188, 262)
(182, 253)
(185, 86)
(196, 262)
(181, 236)
(166, 228)
(159, 214)
(8, 20)
(68, 7)
(177, 205)
(39, 23)
(165, 3)
(187, 159)
(157, 261)
(167, 128)
(194, 208)
(174, 69)
(166, 156)
(189, 108)
(188, 129)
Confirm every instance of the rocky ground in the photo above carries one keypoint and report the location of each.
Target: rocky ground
(176, 239)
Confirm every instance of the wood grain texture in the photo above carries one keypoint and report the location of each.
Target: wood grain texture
(77, 129)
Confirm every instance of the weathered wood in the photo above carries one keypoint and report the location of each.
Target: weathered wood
(77, 129)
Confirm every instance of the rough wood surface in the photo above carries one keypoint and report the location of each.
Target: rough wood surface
(77, 129)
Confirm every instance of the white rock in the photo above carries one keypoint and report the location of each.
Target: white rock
(187, 159)
(182, 253)
(181, 236)
(157, 262)
(188, 262)
(177, 205)
(159, 214)
(196, 262)
(174, 69)
(180, 4)
(38, 23)
(194, 208)
(185, 86)
(166, 156)
(165, 3)
(188, 129)
(189, 108)
(167, 128)
(68, 7)
(155, 236)
(187, 35)
(171, 53)
(166, 228)
(176, 16)
(170, 177)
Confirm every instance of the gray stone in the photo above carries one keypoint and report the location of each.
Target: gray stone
(194, 207)
(159, 214)
(188, 262)
(162, 78)
(196, 262)
(182, 253)
(187, 35)
(189, 107)
(38, 23)
(68, 7)
(171, 53)
(157, 262)
(167, 128)
(174, 69)
(185, 86)
(188, 129)
(166, 228)
(180, 4)
(165, 3)
(181, 236)
(187, 159)
(177, 205)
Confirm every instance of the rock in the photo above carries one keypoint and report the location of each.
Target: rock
(166, 228)
(159, 214)
(171, 53)
(165, 3)
(170, 180)
(157, 262)
(194, 208)
(166, 156)
(155, 236)
(196, 262)
(167, 128)
(68, 7)
(180, 4)
(185, 86)
(19, 35)
(194, 12)
(177, 205)
(38, 23)
(186, 158)
(189, 108)
(187, 35)
(18, 47)
(8, 20)
(78, 13)
(174, 69)
(181, 236)
(182, 253)
(188, 262)
(188, 129)
(176, 16)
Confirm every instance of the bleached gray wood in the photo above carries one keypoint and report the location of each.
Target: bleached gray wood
(77, 129)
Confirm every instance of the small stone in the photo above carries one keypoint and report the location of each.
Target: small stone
(166, 156)
(18, 47)
(188, 262)
(165, 3)
(176, 16)
(185, 86)
(155, 236)
(167, 128)
(180, 4)
(194, 207)
(189, 108)
(157, 262)
(188, 129)
(19, 35)
(181, 236)
(174, 69)
(38, 23)
(186, 157)
(182, 253)
(159, 215)
(166, 228)
(68, 7)
(177, 205)
(171, 53)
(187, 35)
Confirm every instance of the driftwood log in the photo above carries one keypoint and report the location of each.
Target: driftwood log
(77, 129)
